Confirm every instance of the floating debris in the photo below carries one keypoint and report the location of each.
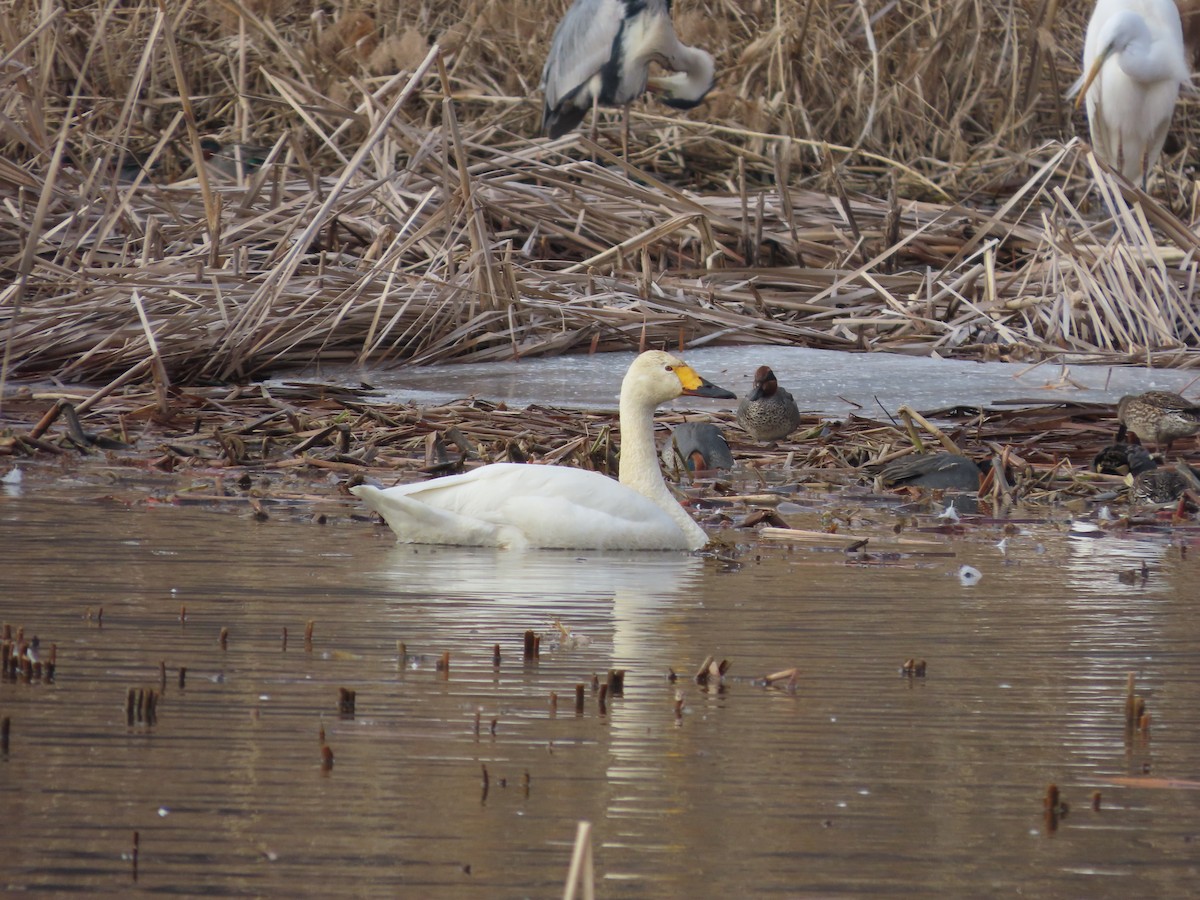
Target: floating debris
(712, 672)
(787, 679)
(1081, 528)
(532, 645)
(568, 639)
(1054, 807)
(950, 514)
(969, 575)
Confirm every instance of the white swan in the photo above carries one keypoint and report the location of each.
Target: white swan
(515, 505)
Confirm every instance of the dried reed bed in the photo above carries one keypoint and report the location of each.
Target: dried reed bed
(262, 445)
(861, 179)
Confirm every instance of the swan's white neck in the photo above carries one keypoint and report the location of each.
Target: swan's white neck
(639, 461)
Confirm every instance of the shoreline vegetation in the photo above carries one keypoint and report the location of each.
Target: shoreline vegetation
(904, 179)
(897, 182)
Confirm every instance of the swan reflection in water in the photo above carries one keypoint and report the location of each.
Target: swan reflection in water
(634, 607)
(497, 594)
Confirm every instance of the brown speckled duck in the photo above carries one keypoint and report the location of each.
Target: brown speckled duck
(1158, 486)
(768, 412)
(1160, 415)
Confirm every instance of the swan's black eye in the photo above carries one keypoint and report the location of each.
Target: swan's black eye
(669, 368)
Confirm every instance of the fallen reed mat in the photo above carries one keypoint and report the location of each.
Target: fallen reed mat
(302, 443)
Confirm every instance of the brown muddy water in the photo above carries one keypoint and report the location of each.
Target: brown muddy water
(858, 781)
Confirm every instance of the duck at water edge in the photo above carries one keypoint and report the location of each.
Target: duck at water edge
(768, 413)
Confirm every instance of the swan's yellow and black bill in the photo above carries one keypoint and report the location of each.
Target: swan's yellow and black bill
(695, 386)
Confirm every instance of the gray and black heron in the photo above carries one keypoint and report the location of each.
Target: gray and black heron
(601, 54)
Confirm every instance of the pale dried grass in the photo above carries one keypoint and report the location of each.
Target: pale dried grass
(405, 214)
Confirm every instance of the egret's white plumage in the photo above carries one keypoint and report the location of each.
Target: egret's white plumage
(601, 54)
(515, 505)
(1133, 66)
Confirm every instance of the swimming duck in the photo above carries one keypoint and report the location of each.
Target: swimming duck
(768, 413)
(515, 505)
(1160, 415)
(700, 445)
(939, 471)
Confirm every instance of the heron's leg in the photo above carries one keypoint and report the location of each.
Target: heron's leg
(595, 115)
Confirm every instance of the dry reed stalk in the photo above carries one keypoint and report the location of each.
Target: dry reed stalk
(403, 213)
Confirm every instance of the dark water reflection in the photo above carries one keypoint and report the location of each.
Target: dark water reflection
(859, 782)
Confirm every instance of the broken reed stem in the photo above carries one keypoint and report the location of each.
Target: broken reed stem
(908, 413)
(581, 872)
(141, 706)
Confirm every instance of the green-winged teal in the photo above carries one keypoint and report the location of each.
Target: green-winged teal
(939, 471)
(768, 413)
(699, 446)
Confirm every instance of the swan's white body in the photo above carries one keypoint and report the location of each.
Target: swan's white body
(517, 506)
(1133, 67)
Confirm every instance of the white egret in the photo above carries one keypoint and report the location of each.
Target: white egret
(601, 54)
(1133, 66)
